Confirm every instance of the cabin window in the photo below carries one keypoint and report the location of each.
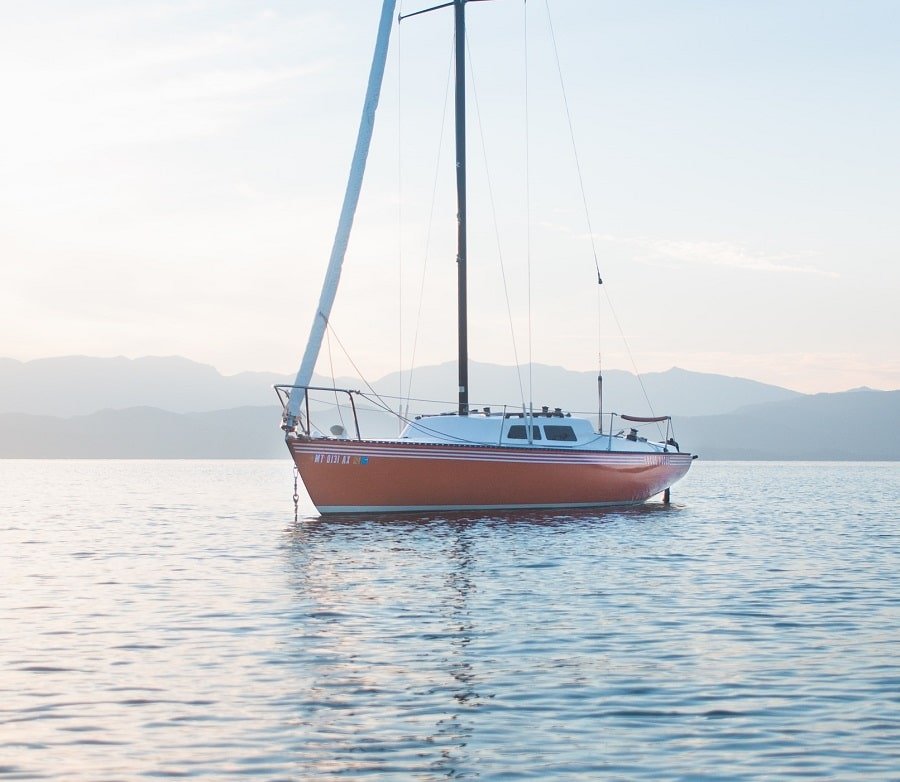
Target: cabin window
(520, 432)
(562, 433)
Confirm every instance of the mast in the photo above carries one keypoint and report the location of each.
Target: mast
(459, 28)
(459, 8)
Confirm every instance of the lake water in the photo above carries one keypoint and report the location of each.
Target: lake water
(170, 619)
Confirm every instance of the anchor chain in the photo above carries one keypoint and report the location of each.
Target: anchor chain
(296, 497)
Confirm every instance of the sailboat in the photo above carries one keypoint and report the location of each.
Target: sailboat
(466, 459)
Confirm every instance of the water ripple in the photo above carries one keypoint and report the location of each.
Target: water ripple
(169, 619)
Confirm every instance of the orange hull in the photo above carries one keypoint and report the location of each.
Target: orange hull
(355, 476)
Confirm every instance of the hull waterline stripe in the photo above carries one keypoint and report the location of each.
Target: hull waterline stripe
(430, 508)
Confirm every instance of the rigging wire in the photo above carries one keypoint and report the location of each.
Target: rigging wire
(437, 168)
(378, 399)
(496, 225)
(408, 396)
(528, 206)
(630, 355)
(562, 85)
(359, 374)
(337, 403)
(600, 363)
(587, 211)
(400, 209)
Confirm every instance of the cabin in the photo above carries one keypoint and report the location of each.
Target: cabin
(546, 429)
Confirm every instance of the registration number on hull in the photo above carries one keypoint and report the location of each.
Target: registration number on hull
(339, 458)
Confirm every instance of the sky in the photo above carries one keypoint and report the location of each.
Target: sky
(171, 175)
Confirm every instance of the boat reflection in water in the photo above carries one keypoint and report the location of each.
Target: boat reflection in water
(414, 634)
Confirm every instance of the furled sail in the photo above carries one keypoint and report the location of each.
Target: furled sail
(348, 211)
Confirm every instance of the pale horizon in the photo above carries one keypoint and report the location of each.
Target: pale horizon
(175, 172)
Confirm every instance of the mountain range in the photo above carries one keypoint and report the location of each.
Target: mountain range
(154, 407)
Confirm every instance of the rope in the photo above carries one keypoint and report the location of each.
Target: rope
(349, 358)
(587, 215)
(562, 85)
(487, 170)
(380, 403)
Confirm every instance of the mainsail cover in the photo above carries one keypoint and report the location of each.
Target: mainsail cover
(348, 211)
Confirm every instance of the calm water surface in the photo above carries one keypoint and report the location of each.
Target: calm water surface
(171, 619)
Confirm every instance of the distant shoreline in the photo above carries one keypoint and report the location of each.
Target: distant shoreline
(174, 408)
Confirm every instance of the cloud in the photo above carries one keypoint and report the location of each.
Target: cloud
(119, 79)
(722, 254)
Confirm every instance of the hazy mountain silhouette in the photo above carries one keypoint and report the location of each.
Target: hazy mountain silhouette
(79, 385)
(860, 424)
(854, 425)
(145, 433)
(674, 392)
(176, 408)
